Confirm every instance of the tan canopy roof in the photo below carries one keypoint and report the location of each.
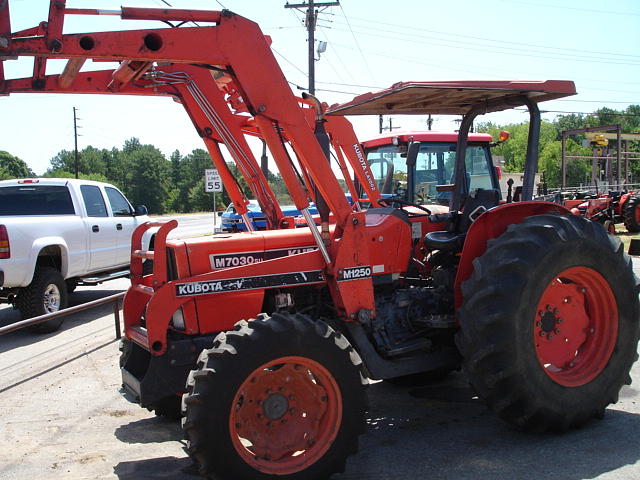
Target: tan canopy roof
(452, 98)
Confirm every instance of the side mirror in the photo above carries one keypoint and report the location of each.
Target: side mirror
(219, 213)
(140, 210)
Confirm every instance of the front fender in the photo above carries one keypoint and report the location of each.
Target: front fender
(492, 224)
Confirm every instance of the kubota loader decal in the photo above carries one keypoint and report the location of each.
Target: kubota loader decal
(207, 287)
(228, 260)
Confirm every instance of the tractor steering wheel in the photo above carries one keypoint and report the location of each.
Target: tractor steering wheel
(402, 202)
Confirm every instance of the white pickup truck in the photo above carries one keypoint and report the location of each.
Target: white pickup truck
(56, 234)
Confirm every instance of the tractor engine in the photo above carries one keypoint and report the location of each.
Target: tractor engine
(411, 319)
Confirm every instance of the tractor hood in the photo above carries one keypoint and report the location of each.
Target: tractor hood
(453, 98)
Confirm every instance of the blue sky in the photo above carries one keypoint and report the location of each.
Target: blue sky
(370, 45)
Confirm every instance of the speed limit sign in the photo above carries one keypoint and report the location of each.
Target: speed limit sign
(212, 181)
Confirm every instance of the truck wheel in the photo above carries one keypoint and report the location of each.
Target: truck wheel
(281, 396)
(46, 293)
(632, 214)
(549, 322)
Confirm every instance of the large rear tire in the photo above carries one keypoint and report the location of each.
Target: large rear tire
(631, 214)
(549, 322)
(276, 397)
(47, 293)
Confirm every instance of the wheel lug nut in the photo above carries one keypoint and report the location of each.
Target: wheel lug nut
(543, 333)
(549, 336)
(538, 324)
(557, 331)
(560, 320)
(583, 290)
(556, 311)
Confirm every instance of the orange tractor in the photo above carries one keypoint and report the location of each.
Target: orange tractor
(269, 353)
(608, 209)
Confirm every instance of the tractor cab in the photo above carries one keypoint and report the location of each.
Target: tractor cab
(422, 174)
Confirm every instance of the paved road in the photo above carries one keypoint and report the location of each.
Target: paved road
(192, 225)
(63, 418)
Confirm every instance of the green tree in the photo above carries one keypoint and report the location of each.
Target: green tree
(96, 177)
(150, 178)
(13, 167)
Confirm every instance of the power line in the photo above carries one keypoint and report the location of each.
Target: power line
(311, 18)
(588, 10)
(404, 28)
(503, 50)
(356, 42)
(289, 62)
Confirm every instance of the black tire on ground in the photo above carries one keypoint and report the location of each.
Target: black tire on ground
(268, 389)
(630, 216)
(47, 293)
(540, 338)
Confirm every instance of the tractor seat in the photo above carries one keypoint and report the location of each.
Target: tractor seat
(452, 240)
(444, 240)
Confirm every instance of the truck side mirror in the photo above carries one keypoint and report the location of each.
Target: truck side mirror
(140, 210)
(219, 213)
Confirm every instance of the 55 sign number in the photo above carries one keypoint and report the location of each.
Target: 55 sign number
(212, 181)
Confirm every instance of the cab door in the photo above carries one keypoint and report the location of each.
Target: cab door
(100, 229)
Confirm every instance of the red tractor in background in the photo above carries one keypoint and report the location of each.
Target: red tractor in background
(609, 209)
(276, 345)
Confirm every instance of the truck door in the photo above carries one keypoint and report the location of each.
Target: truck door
(100, 229)
(125, 224)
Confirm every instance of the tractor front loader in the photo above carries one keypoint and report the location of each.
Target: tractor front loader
(267, 339)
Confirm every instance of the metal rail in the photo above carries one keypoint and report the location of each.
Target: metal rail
(116, 299)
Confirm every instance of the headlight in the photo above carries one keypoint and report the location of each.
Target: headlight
(177, 319)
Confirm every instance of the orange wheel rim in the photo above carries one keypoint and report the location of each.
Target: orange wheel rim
(285, 415)
(575, 326)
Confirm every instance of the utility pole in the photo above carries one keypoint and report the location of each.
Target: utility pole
(311, 18)
(75, 137)
(391, 128)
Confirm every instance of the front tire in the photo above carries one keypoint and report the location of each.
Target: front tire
(47, 293)
(281, 396)
(549, 322)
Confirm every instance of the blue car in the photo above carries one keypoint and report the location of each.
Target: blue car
(233, 222)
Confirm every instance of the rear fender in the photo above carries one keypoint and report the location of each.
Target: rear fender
(56, 242)
(624, 198)
(492, 224)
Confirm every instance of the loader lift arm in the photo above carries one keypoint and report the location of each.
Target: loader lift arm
(215, 71)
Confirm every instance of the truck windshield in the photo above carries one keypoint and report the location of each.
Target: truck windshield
(35, 200)
(434, 166)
